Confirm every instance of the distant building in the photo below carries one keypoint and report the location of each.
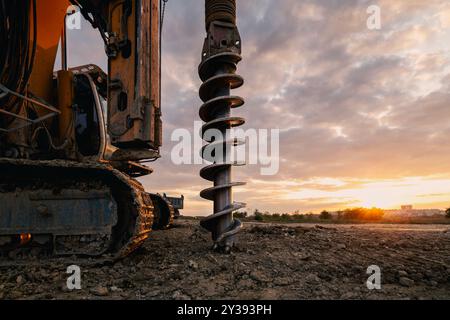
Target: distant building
(409, 211)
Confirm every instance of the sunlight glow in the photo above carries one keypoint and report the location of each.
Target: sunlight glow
(383, 194)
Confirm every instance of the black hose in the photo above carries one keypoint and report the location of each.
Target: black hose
(16, 56)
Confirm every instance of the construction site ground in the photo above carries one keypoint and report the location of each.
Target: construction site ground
(272, 261)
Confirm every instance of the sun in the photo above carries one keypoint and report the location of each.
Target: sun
(375, 198)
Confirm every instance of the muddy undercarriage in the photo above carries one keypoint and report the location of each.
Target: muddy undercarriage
(65, 208)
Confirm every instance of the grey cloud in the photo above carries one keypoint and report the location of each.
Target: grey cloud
(311, 66)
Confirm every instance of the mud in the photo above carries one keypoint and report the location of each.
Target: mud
(273, 261)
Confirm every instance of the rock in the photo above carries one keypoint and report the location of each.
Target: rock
(245, 284)
(193, 265)
(301, 255)
(406, 282)
(140, 276)
(153, 293)
(15, 294)
(115, 289)
(433, 283)
(347, 296)
(43, 274)
(402, 273)
(64, 288)
(100, 291)
(417, 276)
(312, 278)
(259, 276)
(341, 246)
(20, 280)
(178, 295)
(305, 257)
(283, 281)
(269, 294)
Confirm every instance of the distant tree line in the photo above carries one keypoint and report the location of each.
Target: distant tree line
(353, 214)
(364, 214)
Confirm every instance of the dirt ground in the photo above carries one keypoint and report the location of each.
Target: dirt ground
(273, 261)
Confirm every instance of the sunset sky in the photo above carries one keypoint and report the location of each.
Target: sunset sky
(364, 115)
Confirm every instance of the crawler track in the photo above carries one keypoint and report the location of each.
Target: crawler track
(128, 227)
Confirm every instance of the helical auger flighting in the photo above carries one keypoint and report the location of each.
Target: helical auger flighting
(220, 56)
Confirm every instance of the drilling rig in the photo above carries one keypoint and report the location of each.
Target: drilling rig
(73, 141)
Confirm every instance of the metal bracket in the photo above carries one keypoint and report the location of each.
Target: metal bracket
(222, 37)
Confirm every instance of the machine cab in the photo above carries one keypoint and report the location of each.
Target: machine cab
(89, 110)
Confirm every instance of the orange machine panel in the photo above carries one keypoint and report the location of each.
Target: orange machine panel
(134, 110)
(50, 21)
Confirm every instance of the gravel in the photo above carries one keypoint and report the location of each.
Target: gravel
(272, 261)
